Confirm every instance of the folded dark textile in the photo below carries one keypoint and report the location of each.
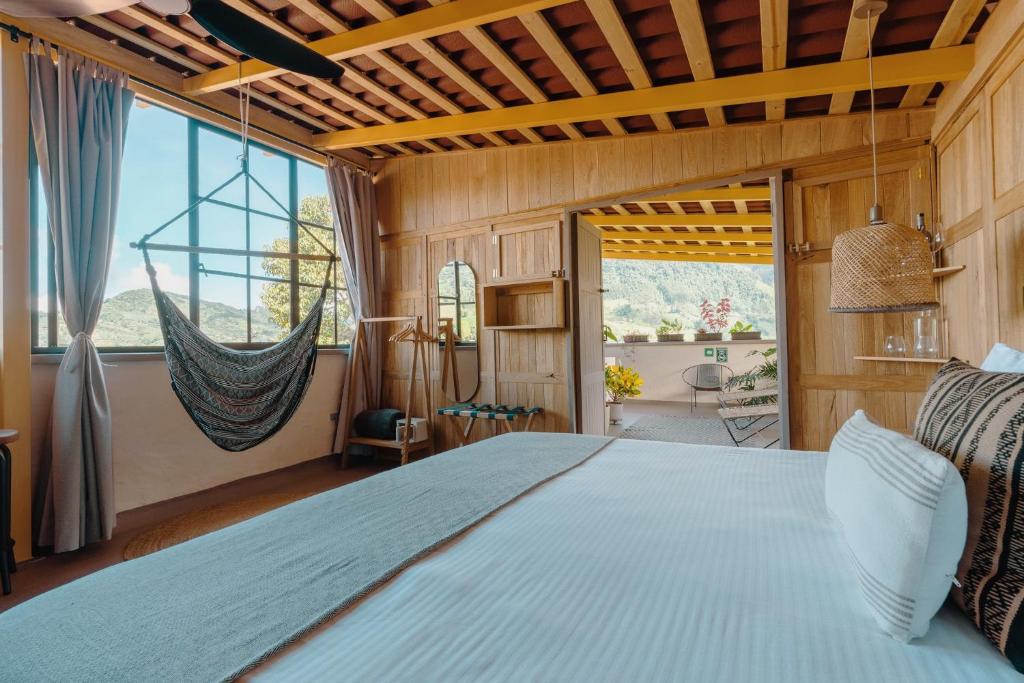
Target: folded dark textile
(377, 424)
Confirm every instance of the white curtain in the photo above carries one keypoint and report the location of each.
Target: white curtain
(355, 222)
(79, 111)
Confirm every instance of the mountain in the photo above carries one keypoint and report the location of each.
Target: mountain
(640, 293)
(129, 319)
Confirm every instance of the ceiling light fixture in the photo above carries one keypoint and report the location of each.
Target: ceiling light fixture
(883, 267)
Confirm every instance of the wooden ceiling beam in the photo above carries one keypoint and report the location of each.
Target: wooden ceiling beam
(674, 220)
(382, 12)
(168, 81)
(615, 32)
(943, 64)
(774, 46)
(512, 71)
(427, 23)
(858, 32)
(541, 30)
(332, 23)
(690, 23)
(693, 258)
(954, 27)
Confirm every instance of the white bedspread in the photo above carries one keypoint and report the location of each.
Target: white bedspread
(652, 561)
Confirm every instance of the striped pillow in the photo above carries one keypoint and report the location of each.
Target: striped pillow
(976, 419)
(903, 513)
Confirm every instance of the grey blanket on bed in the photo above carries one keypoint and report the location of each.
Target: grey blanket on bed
(213, 607)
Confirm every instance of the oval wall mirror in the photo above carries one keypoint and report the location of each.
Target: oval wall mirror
(457, 331)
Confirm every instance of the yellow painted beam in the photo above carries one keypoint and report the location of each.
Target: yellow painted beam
(925, 66)
(718, 194)
(676, 248)
(673, 220)
(427, 23)
(693, 258)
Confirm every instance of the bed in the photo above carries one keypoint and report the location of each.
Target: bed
(646, 561)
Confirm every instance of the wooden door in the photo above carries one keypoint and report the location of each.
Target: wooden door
(589, 329)
(826, 384)
(526, 252)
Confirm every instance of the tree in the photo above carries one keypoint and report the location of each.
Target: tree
(276, 296)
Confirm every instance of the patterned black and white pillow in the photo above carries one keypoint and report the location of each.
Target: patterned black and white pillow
(976, 419)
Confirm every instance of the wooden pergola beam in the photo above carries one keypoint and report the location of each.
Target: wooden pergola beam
(718, 194)
(427, 23)
(691, 258)
(926, 66)
(673, 248)
(674, 220)
(954, 27)
(774, 44)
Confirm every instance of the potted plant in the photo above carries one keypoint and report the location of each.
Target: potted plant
(620, 382)
(715, 317)
(635, 337)
(609, 333)
(670, 331)
(742, 331)
(761, 376)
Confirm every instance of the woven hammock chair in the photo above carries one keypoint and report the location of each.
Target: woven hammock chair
(237, 398)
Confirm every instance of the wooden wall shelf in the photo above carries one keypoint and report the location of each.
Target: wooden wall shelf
(894, 359)
(525, 305)
(947, 270)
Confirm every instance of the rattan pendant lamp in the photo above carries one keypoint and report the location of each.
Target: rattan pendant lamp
(883, 267)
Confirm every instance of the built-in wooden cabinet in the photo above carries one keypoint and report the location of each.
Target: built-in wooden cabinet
(525, 305)
(525, 252)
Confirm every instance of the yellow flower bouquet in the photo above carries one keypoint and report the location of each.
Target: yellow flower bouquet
(621, 382)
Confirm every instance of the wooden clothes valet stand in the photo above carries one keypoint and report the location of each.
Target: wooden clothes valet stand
(359, 363)
(448, 359)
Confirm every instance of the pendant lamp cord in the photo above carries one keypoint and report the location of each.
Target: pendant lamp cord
(243, 117)
(871, 90)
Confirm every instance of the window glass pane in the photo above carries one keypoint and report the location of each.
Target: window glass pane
(240, 298)
(154, 187)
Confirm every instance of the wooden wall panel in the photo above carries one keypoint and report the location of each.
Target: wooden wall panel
(500, 210)
(980, 150)
(827, 383)
(500, 182)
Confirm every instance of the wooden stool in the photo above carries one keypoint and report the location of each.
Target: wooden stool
(7, 566)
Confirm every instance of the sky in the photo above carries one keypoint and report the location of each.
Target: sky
(154, 187)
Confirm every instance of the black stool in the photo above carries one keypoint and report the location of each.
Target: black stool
(7, 566)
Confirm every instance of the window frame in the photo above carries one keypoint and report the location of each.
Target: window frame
(195, 267)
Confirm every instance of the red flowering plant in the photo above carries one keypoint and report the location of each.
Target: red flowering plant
(716, 316)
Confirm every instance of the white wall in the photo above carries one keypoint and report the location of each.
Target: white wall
(160, 454)
(660, 364)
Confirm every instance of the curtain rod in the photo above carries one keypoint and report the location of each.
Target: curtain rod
(17, 34)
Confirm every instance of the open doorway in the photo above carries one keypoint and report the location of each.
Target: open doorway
(681, 292)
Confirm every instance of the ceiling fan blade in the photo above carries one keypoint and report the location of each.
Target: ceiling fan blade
(60, 8)
(256, 40)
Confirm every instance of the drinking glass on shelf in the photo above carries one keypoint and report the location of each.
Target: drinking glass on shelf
(926, 334)
(895, 346)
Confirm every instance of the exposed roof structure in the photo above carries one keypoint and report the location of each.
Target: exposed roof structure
(721, 225)
(436, 63)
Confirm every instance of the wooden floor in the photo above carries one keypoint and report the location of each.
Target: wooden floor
(40, 575)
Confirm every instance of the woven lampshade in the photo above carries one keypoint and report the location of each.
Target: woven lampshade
(880, 268)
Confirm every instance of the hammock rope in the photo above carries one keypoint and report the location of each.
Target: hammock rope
(238, 399)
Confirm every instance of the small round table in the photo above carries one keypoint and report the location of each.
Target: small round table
(7, 566)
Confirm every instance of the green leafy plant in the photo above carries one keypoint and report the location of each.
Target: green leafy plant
(668, 326)
(609, 333)
(765, 372)
(740, 326)
(621, 382)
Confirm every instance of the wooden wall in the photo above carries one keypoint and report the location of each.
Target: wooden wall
(500, 211)
(979, 147)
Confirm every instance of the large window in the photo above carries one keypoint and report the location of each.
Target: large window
(245, 301)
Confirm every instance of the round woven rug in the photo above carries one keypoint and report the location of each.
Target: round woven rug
(198, 522)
